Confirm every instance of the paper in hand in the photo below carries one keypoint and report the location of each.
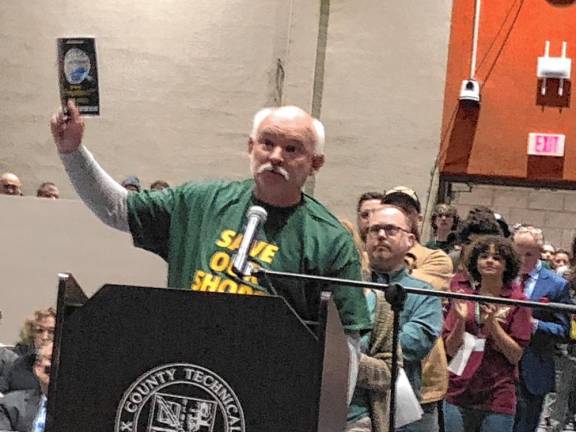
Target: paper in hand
(408, 409)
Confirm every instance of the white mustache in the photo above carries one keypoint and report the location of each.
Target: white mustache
(275, 169)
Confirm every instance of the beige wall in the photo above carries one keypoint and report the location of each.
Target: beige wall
(383, 96)
(552, 210)
(41, 238)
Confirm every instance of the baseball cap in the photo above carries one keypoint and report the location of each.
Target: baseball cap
(402, 192)
(131, 181)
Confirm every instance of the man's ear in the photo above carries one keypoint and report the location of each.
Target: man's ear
(250, 144)
(317, 162)
(411, 240)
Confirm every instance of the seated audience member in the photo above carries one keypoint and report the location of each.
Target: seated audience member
(482, 398)
(537, 369)
(131, 183)
(20, 375)
(561, 261)
(48, 190)
(444, 223)
(159, 185)
(7, 358)
(25, 410)
(390, 236)
(10, 185)
(27, 335)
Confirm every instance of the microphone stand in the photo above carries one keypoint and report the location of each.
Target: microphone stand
(395, 295)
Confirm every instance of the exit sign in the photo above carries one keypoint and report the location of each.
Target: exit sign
(545, 144)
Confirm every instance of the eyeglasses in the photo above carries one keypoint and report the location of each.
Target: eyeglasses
(42, 330)
(389, 230)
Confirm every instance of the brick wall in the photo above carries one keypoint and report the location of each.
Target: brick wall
(552, 210)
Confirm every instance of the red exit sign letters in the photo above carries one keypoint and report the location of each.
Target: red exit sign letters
(546, 144)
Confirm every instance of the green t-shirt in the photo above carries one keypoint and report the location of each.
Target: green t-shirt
(197, 229)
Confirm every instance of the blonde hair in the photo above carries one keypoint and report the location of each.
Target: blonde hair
(349, 226)
(27, 332)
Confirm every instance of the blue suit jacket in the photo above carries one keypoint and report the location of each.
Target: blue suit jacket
(537, 364)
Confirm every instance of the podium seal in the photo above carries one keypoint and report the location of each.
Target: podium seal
(179, 397)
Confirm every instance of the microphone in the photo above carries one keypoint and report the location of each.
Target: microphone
(256, 216)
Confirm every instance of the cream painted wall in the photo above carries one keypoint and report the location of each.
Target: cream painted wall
(41, 238)
(383, 96)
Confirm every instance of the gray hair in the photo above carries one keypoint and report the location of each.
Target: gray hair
(536, 233)
(291, 111)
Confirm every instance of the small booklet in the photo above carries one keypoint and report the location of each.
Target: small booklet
(78, 74)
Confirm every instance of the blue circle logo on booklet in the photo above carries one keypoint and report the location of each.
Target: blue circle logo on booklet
(76, 65)
(179, 397)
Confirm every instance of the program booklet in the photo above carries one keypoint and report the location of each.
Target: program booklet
(78, 74)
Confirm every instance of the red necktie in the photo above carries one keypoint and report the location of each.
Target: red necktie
(524, 278)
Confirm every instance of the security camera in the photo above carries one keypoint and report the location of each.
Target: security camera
(470, 91)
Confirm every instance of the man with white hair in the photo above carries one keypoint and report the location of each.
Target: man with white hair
(197, 227)
(537, 373)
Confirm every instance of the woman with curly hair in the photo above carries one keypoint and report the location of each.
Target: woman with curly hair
(482, 397)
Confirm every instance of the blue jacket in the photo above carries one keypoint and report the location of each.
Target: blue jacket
(537, 363)
(420, 324)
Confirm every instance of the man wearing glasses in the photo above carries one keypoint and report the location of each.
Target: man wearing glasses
(435, 268)
(389, 237)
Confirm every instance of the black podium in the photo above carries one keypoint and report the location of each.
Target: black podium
(134, 359)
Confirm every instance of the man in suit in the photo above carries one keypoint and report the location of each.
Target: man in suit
(537, 363)
(7, 358)
(25, 410)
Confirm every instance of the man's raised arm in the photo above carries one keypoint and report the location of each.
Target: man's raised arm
(100, 192)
